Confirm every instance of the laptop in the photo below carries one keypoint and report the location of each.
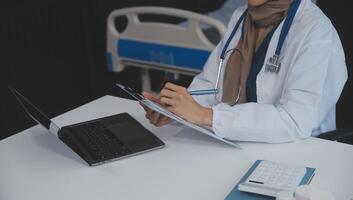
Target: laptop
(101, 140)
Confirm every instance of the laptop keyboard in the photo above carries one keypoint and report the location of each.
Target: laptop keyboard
(100, 142)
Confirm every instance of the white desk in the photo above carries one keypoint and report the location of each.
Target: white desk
(34, 165)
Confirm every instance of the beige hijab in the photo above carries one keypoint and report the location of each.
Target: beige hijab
(259, 21)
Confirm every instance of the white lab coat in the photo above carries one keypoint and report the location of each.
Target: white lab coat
(296, 103)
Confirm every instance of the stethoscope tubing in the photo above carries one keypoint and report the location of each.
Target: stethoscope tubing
(284, 32)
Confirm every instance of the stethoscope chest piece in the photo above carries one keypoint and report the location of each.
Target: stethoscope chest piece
(273, 64)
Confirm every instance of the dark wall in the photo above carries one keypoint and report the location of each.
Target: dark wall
(53, 51)
(42, 55)
(341, 17)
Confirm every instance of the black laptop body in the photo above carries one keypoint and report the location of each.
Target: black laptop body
(100, 140)
(128, 138)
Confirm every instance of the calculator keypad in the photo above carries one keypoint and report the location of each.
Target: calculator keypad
(277, 176)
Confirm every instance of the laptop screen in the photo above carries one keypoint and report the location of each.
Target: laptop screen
(31, 110)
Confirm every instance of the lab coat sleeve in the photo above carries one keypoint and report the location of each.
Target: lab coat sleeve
(207, 79)
(304, 102)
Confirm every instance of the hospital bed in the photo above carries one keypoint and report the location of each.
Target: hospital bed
(159, 45)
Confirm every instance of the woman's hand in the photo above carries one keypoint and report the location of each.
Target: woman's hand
(154, 117)
(180, 102)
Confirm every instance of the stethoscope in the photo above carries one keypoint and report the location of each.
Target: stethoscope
(273, 64)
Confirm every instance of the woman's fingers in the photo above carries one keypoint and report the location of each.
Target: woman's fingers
(151, 97)
(172, 94)
(163, 121)
(149, 113)
(158, 119)
(175, 88)
(168, 93)
(168, 102)
(155, 117)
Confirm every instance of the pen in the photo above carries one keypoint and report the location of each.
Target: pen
(203, 92)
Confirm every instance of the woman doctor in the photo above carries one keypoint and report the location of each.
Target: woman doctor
(283, 72)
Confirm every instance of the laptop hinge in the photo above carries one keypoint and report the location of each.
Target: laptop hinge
(54, 129)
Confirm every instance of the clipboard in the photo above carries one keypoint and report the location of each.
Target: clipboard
(160, 109)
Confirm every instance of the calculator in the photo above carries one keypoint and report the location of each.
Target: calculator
(269, 178)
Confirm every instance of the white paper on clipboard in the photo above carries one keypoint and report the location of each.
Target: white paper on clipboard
(158, 108)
